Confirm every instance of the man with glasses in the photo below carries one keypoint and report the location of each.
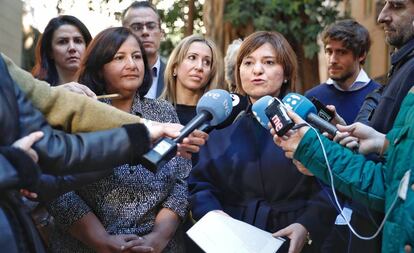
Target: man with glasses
(143, 19)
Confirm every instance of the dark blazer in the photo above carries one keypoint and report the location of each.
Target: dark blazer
(160, 83)
(242, 172)
(401, 78)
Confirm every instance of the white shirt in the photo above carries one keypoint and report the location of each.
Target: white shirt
(152, 92)
(360, 82)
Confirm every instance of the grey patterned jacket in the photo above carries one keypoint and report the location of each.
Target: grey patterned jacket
(128, 200)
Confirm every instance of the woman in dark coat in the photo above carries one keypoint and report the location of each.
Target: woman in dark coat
(242, 174)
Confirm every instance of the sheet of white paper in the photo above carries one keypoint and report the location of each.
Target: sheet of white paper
(216, 233)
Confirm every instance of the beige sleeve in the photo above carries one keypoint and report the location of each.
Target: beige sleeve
(67, 110)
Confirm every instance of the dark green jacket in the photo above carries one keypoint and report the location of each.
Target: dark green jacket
(374, 184)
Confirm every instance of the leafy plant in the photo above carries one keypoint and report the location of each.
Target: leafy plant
(299, 20)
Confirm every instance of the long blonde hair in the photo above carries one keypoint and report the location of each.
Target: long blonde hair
(176, 58)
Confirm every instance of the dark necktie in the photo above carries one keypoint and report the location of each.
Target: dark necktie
(154, 72)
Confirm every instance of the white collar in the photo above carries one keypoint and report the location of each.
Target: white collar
(360, 82)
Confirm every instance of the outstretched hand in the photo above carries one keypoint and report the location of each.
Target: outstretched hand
(302, 169)
(27, 142)
(78, 88)
(290, 141)
(190, 144)
(360, 136)
(337, 119)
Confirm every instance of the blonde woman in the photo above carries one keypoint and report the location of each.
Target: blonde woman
(195, 66)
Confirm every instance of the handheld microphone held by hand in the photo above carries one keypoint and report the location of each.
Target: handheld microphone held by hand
(323, 111)
(239, 104)
(307, 111)
(270, 109)
(213, 108)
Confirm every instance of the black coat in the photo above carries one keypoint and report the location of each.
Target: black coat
(242, 172)
(401, 79)
(60, 152)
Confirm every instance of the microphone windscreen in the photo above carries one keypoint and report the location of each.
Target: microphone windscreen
(240, 104)
(218, 103)
(299, 104)
(259, 108)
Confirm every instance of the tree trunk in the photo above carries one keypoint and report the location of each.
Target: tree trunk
(213, 12)
(223, 33)
(219, 30)
(308, 69)
(190, 21)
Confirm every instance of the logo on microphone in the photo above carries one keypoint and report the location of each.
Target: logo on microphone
(227, 107)
(292, 101)
(277, 123)
(213, 95)
(235, 99)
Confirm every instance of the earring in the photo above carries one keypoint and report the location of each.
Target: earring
(285, 81)
(174, 74)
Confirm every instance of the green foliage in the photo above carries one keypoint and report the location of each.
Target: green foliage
(177, 13)
(300, 21)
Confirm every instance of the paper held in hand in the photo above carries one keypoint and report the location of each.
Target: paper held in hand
(218, 233)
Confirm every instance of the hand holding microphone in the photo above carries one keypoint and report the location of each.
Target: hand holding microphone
(213, 108)
(306, 110)
(290, 141)
(368, 140)
(190, 144)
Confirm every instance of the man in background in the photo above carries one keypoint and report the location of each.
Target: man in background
(143, 19)
(346, 45)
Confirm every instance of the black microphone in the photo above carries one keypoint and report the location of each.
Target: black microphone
(323, 111)
(212, 108)
(268, 109)
(239, 103)
(306, 110)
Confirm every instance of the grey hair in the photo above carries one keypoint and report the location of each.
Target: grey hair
(230, 63)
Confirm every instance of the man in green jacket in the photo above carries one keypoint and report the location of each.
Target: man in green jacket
(387, 187)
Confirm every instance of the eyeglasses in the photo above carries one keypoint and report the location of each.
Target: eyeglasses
(139, 27)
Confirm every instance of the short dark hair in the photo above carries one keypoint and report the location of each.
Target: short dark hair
(285, 56)
(45, 68)
(353, 35)
(101, 51)
(141, 4)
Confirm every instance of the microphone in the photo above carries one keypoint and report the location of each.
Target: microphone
(322, 110)
(259, 108)
(239, 104)
(212, 108)
(306, 110)
(270, 109)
